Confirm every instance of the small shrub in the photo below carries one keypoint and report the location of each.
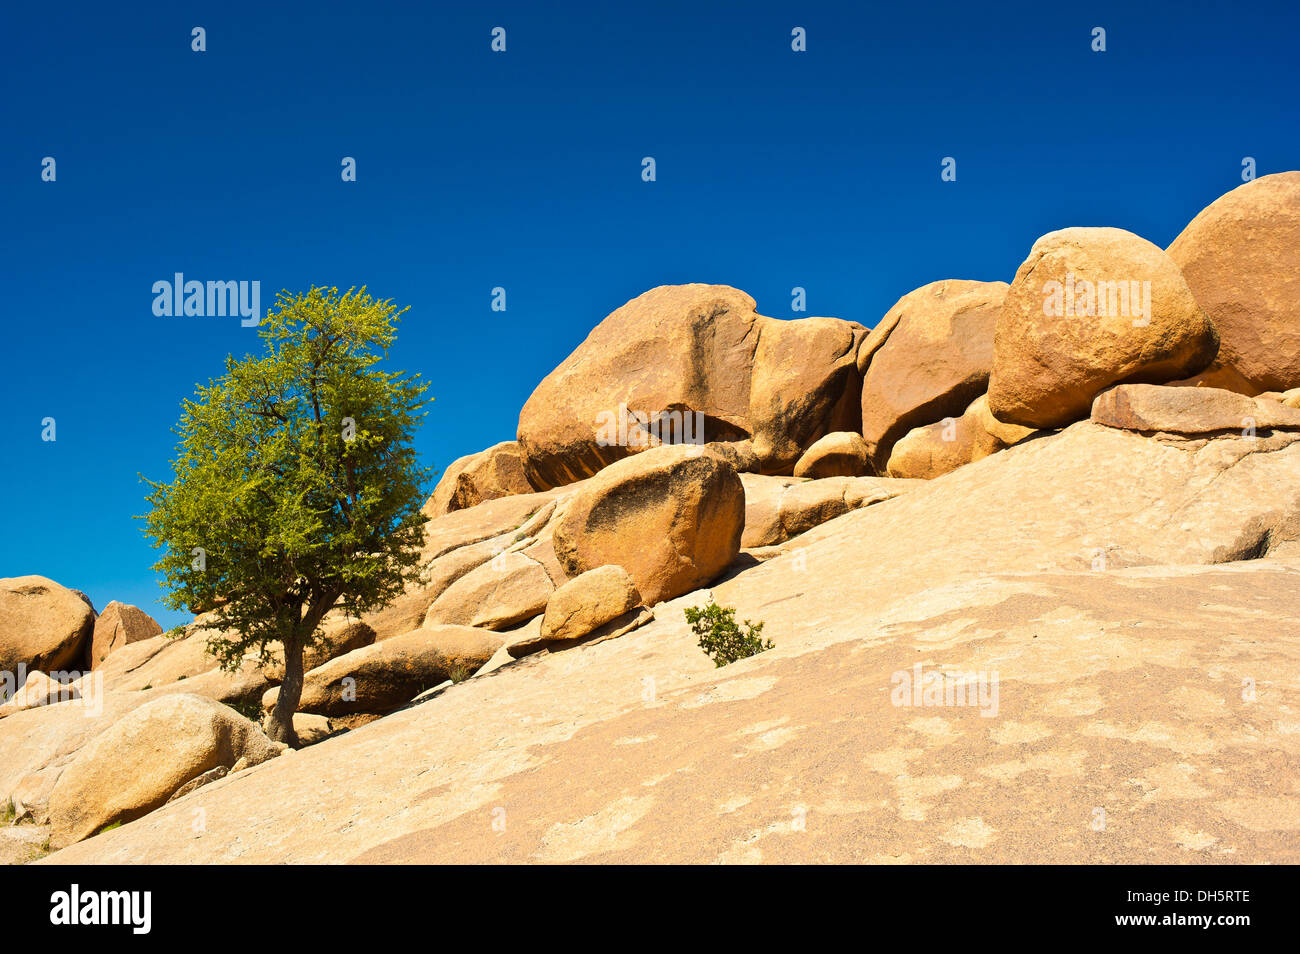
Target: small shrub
(109, 827)
(721, 639)
(460, 672)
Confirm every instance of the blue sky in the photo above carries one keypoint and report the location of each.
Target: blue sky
(522, 170)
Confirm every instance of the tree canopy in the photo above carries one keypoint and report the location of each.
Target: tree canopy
(296, 488)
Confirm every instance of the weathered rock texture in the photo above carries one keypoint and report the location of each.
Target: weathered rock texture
(1120, 637)
(118, 625)
(474, 478)
(774, 385)
(43, 625)
(1076, 320)
(138, 763)
(840, 454)
(383, 676)
(940, 448)
(1241, 259)
(927, 359)
(672, 517)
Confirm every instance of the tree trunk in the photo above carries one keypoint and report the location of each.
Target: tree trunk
(280, 725)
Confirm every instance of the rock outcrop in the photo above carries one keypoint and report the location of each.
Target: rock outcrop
(1089, 308)
(703, 358)
(1241, 259)
(926, 360)
(138, 763)
(780, 508)
(1092, 610)
(672, 517)
(43, 625)
(118, 625)
(1150, 408)
(587, 602)
(378, 678)
(839, 454)
(940, 448)
(1119, 684)
(474, 478)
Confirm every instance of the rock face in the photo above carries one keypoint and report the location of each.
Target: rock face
(927, 359)
(839, 454)
(39, 690)
(1241, 259)
(672, 517)
(805, 385)
(119, 624)
(457, 543)
(940, 448)
(691, 350)
(182, 664)
(487, 475)
(1193, 411)
(506, 590)
(43, 625)
(379, 678)
(138, 763)
(1089, 308)
(587, 602)
(1091, 599)
(780, 508)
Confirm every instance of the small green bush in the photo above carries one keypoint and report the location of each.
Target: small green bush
(721, 639)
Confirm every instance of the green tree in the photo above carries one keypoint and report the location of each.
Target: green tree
(296, 488)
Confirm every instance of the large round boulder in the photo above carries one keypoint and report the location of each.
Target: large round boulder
(927, 359)
(691, 364)
(1241, 259)
(672, 517)
(144, 758)
(43, 625)
(1090, 308)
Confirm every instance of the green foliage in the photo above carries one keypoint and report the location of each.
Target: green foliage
(721, 639)
(296, 477)
(109, 827)
(459, 673)
(250, 709)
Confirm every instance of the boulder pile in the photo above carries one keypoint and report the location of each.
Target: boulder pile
(1140, 407)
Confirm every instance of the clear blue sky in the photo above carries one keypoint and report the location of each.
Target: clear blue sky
(523, 170)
